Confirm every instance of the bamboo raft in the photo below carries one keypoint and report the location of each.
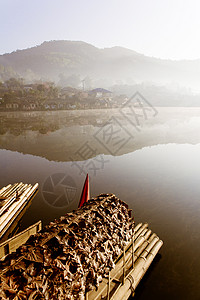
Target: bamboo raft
(130, 266)
(92, 253)
(14, 198)
(9, 246)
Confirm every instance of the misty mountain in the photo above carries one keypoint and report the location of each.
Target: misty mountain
(56, 60)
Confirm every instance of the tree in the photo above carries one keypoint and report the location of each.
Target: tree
(14, 83)
(41, 87)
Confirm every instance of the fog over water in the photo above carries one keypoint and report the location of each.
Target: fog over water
(155, 170)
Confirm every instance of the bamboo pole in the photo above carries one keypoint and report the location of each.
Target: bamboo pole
(132, 249)
(21, 187)
(5, 216)
(4, 189)
(119, 264)
(144, 242)
(12, 190)
(149, 260)
(126, 295)
(124, 266)
(25, 193)
(140, 230)
(144, 245)
(137, 227)
(12, 198)
(141, 239)
(141, 266)
(108, 291)
(12, 210)
(3, 194)
(151, 244)
(117, 271)
(31, 191)
(147, 246)
(5, 207)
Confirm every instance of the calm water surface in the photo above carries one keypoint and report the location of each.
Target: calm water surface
(156, 171)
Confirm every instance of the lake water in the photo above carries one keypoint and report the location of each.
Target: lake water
(153, 166)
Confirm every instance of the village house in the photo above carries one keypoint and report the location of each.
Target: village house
(83, 95)
(101, 93)
(67, 92)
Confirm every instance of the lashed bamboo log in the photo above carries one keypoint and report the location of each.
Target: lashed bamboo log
(140, 268)
(4, 189)
(144, 236)
(140, 244)
(3, 195)
(12, 197)
(145, 248)
(137, 227)
(138, 252)
(10, 187)
(118, 268)
(12, 190)
(139, 231)
(116, 273)
(149, 258)
(15, 203)
(22, 198)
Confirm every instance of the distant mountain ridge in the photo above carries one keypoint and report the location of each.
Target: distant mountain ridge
(54, 59)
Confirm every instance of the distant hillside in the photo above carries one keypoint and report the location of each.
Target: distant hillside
(57, 60)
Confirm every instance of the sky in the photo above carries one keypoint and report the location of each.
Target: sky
(159, 28)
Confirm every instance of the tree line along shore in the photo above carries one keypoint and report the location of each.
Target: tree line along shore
(15, 95)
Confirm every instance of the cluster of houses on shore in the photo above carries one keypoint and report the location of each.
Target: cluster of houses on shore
(65, 98)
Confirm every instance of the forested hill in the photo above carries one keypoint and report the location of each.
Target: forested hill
(57, 60)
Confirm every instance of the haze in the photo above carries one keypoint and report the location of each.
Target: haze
(164, 29)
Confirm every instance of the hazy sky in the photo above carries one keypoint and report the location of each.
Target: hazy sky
(160, 28)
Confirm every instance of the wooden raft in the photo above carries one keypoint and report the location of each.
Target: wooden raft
(14, 198)
(136, 255)
(130, 266)
(10, 245)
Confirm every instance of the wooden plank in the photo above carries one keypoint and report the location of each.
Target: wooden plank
(19, 239)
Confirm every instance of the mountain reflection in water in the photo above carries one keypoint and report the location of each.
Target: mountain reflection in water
(58, 135)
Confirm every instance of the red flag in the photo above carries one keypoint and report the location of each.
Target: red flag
(85, 196)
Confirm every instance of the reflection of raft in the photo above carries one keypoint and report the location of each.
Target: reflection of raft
(14, 199)
(81, 252)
